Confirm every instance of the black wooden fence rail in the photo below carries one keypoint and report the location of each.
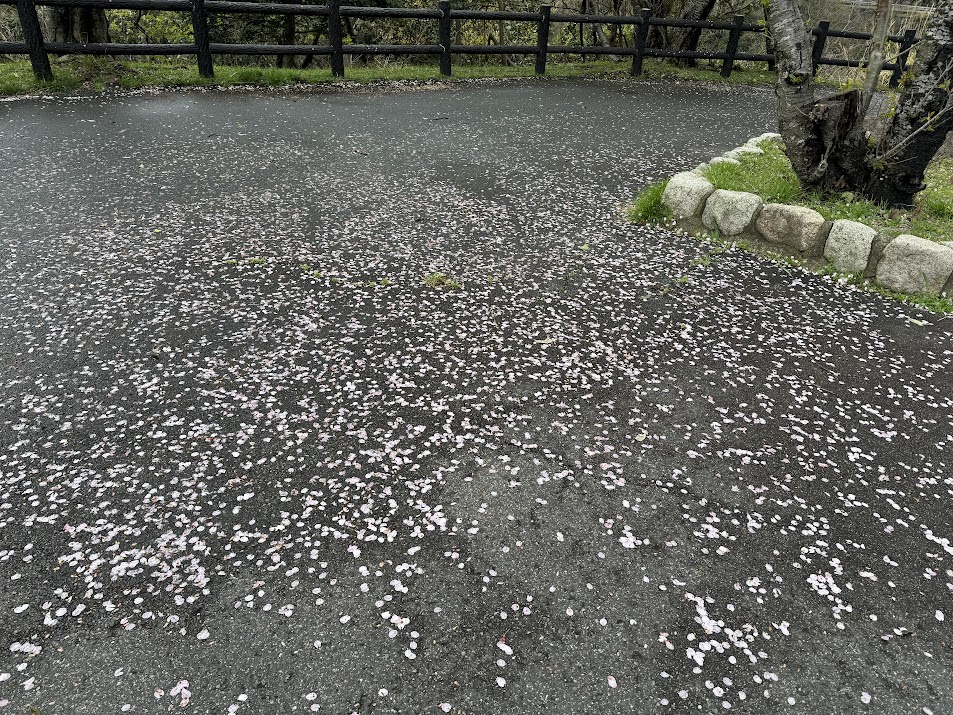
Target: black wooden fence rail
(39, 50)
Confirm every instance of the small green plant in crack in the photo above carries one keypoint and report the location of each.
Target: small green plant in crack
(255, 261)
(703, 260)
(442, 280)
(385, 282)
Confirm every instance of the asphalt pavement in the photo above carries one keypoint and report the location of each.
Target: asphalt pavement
(369, 401)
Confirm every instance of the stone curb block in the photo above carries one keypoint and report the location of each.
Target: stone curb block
(731, 213)
(724, 160)
(915, 265)
(793, 226)
(849, 245)
(906, 264)
(686, 194)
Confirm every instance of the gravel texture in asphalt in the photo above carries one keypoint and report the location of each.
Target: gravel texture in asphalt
(251, 462)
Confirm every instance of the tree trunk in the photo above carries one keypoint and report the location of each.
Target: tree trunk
(923, 117)
(658, 35)
(598, 33)
(795, 85)
(825, 140)
(877, 43)
(694, 10)
(80, 25)
(288, 36)
(505, 59)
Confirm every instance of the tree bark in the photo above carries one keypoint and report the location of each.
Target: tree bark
(923, 118)
(79, 25)
(795, 86)
(825, 140)
(288, 36)
(877, 43)
(694, 10)
(659, 37)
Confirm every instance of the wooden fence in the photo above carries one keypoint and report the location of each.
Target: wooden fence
(39, 50)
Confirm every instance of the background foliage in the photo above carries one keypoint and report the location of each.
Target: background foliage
(130, 26)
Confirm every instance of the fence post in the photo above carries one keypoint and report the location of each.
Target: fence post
(33, 36)
(200, 33)
(641, 38)
(445, 56)
(908, 40)
(335, 38)
(733, 40)
(542, 38)
(820, 40)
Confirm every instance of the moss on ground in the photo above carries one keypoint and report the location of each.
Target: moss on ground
(99, 73)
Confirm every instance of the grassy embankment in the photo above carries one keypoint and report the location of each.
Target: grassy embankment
(771, 177)
(96, 74)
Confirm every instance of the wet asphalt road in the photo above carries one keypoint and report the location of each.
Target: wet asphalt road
(250, 463)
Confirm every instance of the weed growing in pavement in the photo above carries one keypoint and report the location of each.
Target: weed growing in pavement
(442, 280)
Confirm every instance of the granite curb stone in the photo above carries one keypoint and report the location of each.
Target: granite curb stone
(793, 226)
(915, 265)
(849, 245)
(906, 264)
(731, 213)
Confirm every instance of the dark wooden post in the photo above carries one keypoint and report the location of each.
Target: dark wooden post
(542, 38)
(445, 56)
(641, 38)
(33, 36)
(908, 40)
(820, 41)
(335, 38)
(734, 38)
(200, 33)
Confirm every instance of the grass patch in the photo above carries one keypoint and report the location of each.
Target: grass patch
(648, 206)
(442, 280)
(98, 73)
(771, 177)
(936, 304)
(17, 78)
(744, 73)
